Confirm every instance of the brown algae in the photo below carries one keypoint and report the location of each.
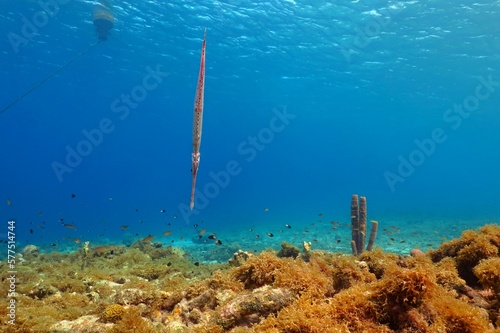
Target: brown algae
(146, 288)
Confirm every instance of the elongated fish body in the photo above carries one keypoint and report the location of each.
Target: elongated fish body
(197, 120)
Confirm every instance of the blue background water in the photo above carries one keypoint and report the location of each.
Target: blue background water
(362, 80)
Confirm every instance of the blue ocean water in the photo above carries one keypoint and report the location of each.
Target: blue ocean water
(306, 103)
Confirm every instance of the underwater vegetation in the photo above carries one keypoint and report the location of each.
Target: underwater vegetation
(148, 288)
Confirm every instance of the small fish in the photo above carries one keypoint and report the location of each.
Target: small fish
(53, 244)
(73, 195)
(288, 226)
(338, 241)
(162, 211)
(69, 225)
(124, 227)
(195, 226)
(60, 220)
(169, 263)
(218, 242)
(266, 210)
(202, 231)
(77, 240)
(200, 237)
(9, 202)
(257, 236)
(175, 216)
(31, 231)
(270, 234)
(197, 264)
(212, 236)
(320, 214)
(167, 233)
(148, 239)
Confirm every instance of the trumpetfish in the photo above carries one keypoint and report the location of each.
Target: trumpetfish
(197, 120)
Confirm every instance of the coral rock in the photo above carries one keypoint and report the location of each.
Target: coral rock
(85, 324)
(30, 250)
(239, 258)
(306, 248)
(288, 251)
(247, 309)
(131, 296)
(176, 327)
(417, 253)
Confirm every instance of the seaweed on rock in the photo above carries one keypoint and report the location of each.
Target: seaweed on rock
(131, 291)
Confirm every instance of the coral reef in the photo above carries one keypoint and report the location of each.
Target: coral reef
(148, 288)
